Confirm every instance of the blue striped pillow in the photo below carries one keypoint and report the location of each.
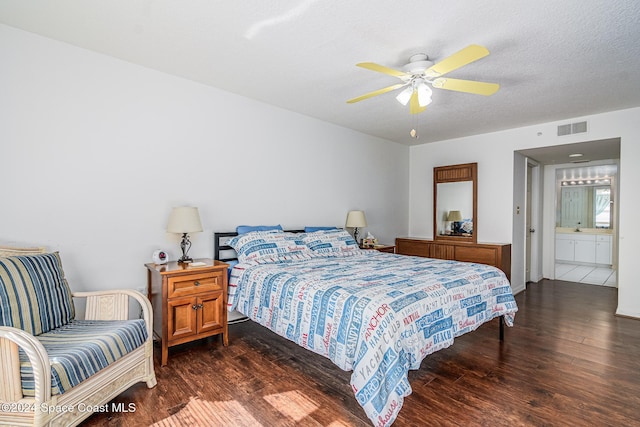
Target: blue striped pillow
(34, 294)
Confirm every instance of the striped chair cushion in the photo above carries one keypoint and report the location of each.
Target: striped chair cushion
(34, 294)
(81, 349)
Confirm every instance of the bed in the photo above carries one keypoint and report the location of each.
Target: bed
(375, 314)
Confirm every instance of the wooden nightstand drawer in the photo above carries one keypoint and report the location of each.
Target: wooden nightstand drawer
(381, 248)
(194, 284)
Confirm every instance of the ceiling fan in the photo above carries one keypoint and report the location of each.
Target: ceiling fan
(420, 72)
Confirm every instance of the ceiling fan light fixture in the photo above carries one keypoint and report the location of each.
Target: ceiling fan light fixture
(418, 64)
(404, 96)
(419, 76)
(424, 94)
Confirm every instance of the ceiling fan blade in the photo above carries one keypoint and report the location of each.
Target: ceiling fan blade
(469, 86)
(414, 104)
(463, 57)
(376, 92)
(382, 69)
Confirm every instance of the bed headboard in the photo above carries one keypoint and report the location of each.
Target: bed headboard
(223, 252)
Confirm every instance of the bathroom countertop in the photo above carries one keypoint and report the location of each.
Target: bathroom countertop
(569, 230)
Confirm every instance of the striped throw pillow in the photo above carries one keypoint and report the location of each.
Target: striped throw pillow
(34, 294)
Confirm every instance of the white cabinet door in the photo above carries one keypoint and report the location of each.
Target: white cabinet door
(585, 251)
(564, 250)
(603, 250)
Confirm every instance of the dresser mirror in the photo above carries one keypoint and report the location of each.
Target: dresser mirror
(455, 190)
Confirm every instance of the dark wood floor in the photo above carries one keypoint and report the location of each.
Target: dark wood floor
(569, 361)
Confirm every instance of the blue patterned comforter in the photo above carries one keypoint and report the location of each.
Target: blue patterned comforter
(376, 314)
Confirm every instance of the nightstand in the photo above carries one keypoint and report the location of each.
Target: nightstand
(189, 302)
(383, 248)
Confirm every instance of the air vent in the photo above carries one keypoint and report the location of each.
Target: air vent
(564, 130)
(579, 127)
(571, 128)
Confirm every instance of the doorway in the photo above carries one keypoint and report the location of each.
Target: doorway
(549, 159)
(586, 201)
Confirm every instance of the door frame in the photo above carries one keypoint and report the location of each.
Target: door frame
(535, 221)
(519, 256)
(518, 242)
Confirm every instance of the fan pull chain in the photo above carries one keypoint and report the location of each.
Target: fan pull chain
(414, 126)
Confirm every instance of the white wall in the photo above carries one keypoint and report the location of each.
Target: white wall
(518, 232)
(494, 154)
(95, 151)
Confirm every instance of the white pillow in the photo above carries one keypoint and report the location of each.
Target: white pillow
(332, 243)
(269, 247)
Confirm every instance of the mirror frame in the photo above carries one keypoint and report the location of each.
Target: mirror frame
(456, 173)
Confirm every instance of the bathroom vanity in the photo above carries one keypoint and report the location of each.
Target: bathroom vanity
(588, 246)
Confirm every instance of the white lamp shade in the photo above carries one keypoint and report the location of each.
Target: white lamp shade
(356, 219)
(424, 94)
(455, 216)
(404, 96)
(184, 219)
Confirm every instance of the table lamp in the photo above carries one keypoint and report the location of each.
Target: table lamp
(184, 220)
(356, 220)
(455, 217)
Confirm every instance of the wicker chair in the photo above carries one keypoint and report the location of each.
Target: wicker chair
(35, 387)
(6, 251)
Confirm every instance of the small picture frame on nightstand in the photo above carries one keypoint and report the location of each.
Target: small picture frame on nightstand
(369, 243)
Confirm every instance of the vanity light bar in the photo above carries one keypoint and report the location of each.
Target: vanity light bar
(588, 182)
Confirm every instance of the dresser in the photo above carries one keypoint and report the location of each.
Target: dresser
(495, 254)
(189, 301)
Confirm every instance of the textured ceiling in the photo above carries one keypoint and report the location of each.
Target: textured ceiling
(554, 59)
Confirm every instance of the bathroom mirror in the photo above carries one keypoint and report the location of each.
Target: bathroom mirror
(585, 206)
(585, 197)
(455, 190)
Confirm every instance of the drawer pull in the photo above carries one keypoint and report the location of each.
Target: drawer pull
(196, 283)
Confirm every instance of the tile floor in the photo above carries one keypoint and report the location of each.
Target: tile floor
(586, 274)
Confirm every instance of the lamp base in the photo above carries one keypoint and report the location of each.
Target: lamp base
(185, 244)
(356, 234)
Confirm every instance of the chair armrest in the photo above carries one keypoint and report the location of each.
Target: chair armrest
(10, 339)
(114, 305)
